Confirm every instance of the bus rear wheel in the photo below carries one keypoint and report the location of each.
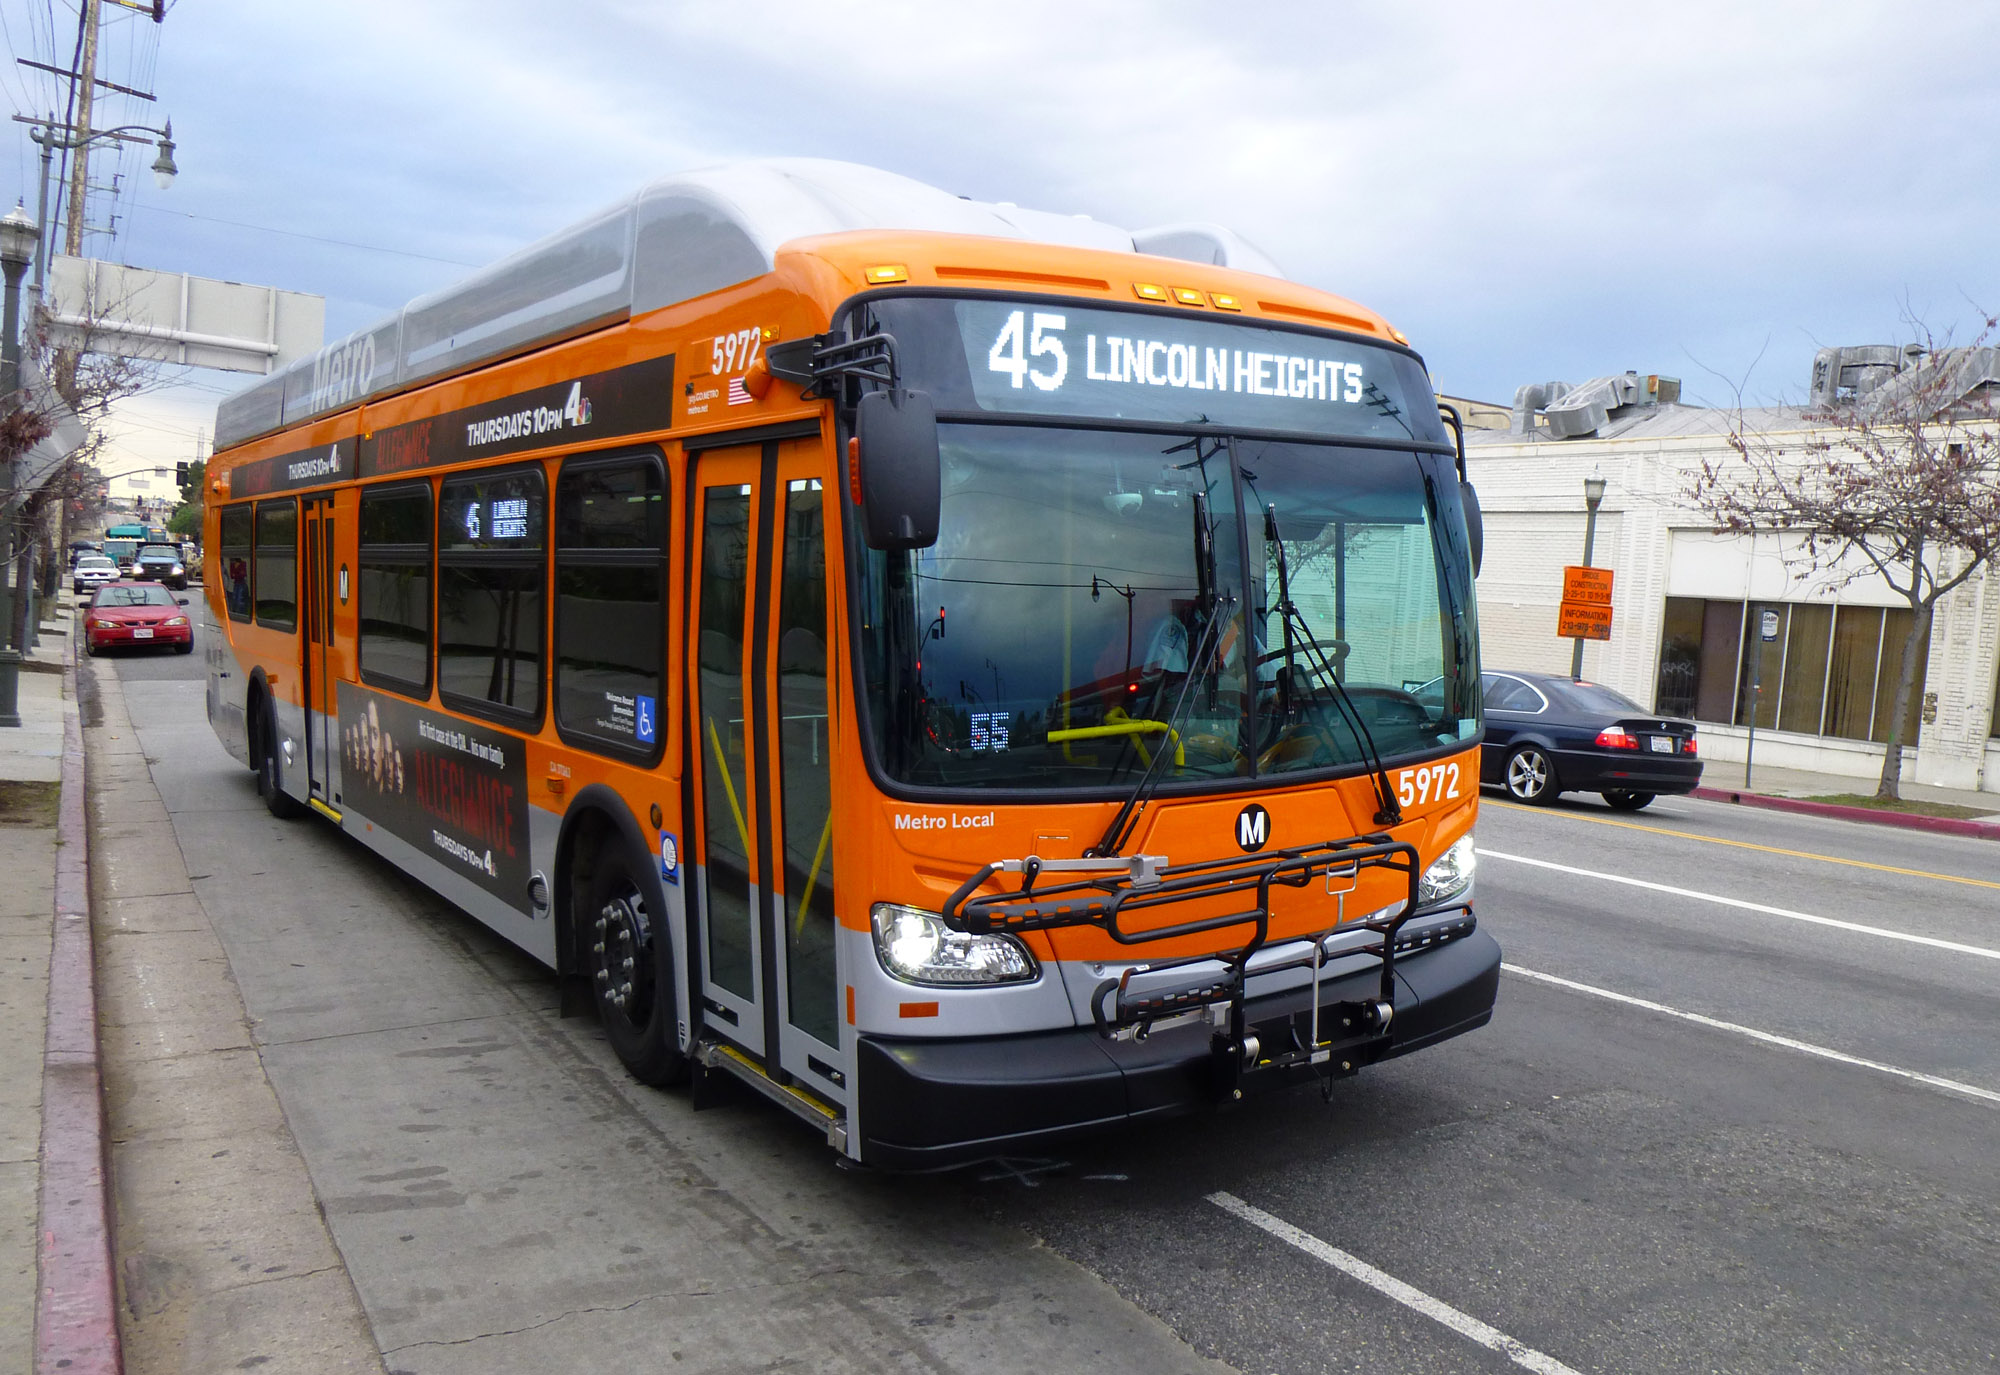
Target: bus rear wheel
(270, 771)
(627, 958)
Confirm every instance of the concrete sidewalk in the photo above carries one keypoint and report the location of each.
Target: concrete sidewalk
(1793, 790)
(115, 1109)
(32, 779)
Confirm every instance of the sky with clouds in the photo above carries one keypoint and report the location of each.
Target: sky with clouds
(1528, 190)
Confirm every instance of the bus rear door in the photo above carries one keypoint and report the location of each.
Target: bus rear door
(762, 822)
(321, 595)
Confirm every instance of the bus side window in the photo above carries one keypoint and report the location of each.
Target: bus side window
(492, 581)
(235, 564)
(277, 564)
(611, 522)
(395, 589)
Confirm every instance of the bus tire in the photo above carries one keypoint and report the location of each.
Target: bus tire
(626, 957)
(277, 801)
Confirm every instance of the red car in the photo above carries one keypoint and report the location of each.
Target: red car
(138, 614)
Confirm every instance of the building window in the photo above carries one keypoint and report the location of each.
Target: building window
(235, 565)
(1828, 670)
(396, 588)
(491, 586)
(275, 578)
(611, 521)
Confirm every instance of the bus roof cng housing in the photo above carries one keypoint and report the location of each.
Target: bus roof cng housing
(680, 237)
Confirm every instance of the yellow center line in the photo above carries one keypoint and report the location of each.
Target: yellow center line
(1747, 845)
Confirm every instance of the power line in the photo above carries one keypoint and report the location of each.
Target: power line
(316, 238)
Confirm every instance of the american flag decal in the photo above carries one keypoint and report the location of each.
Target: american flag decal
(739, 395)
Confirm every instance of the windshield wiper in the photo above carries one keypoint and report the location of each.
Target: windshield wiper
(1116, 834)
(1387, 811)
(1208, 603)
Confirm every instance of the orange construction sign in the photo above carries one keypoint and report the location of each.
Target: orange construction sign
(1583, 621)
(1591, 585)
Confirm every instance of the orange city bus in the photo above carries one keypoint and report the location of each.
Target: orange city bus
(974, 675)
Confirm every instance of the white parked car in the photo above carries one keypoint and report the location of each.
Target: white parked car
(92, 571)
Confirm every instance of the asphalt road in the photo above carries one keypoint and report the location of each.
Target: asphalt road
(1781, 1157)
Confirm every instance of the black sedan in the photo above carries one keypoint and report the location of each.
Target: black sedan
(1548, 734)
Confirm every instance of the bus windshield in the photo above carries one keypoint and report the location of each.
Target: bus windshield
(1097, 597)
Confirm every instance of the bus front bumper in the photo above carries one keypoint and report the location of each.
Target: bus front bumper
(928, 1105)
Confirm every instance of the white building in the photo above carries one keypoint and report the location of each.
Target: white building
(1688, 602)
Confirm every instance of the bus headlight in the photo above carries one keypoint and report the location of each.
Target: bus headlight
(917, 947)
(1450, 874)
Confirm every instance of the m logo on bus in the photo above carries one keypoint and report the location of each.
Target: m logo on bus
(1253, 827)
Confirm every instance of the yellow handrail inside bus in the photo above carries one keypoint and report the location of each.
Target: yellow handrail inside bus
(812, 879)
(1130, 726)
(729, 788)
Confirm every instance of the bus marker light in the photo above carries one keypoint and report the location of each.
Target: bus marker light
(916, 1009)
(1222, 300)
(757, 381)
(1146, 291)
(854, 469)
(556, 785)
(888, 272)
(1188, 296)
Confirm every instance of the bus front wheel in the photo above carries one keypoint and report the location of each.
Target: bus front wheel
(627, 958)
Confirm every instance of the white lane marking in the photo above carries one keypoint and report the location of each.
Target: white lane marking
(1767, 1037)
(1954, 946)
(1353, 1266)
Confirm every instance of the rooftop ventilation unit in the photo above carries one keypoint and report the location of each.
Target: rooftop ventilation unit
(1575, 412)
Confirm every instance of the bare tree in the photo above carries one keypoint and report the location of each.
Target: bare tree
(1904, 480)
(86, 374)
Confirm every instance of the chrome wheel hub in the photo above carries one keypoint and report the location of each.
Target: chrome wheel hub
(1527, 774)
(618, 952)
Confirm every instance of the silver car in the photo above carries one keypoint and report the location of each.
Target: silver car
(92, 571)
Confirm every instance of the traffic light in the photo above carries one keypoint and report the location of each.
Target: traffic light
(181, 473)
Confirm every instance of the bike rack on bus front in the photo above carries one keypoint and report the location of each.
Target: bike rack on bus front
(1104, 893)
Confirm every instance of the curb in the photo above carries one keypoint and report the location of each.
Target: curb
(1909, 821)
(76, 1314)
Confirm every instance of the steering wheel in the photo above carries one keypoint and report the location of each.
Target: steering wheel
(1336, 650)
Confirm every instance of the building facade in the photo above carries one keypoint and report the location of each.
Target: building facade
(1714, 626)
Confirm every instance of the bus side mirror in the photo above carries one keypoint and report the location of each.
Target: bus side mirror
(892, 469)
(1475, 524)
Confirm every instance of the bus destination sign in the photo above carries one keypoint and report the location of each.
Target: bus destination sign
(1188, 369)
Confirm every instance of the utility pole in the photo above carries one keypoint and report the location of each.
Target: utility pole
(79, 170)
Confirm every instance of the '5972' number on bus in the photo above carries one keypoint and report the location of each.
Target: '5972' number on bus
(1430, 783)
(736, 351)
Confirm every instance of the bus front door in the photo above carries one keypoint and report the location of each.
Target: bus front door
(762, 830)
(316, 577)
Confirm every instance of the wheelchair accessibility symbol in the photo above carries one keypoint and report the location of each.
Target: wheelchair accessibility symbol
(645, 725)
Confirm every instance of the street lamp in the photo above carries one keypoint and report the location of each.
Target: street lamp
(52, 135)
(1593, 497)
(164, 170)
(18, 234)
